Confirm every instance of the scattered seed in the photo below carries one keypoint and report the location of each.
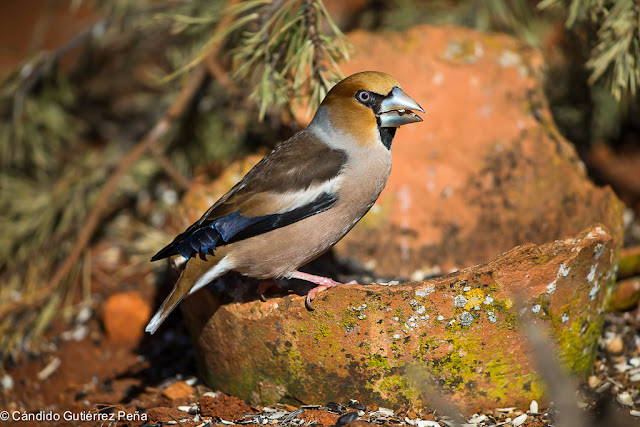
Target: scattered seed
(6, 382)
(533, 407)
(604, 387)
(385, 411)
(519, 420)
(625, 399)
(357, 405)
(615, 345)
(347, 418)
(477, 419)
(48, 370)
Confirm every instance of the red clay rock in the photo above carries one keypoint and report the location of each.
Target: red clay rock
(319, 417)
(223, 407)
(485, 172)
(457, 335)
(625, 295)
(179, 390)
(165, 415)
(125, 316)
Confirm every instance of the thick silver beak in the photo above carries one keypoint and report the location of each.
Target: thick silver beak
(395, 109)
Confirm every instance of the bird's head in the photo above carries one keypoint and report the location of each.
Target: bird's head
(369, 103)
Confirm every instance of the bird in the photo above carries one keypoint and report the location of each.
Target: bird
(300, 199)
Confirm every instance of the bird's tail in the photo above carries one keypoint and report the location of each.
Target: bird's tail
(166, 308)
(196, 274)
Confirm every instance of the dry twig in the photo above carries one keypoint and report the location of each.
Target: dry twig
(93, 219)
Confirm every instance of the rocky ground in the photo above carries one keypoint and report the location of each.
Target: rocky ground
(85, 372)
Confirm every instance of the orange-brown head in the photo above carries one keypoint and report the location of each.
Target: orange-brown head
(365, 104)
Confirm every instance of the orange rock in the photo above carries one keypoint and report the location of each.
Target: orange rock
(125, 316)
(625, 294)
(179, 390)
(457, 337)
(486, 172)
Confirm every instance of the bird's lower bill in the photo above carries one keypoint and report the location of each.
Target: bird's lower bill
(397, 118)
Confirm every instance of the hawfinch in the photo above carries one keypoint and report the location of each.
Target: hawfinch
(300, 199)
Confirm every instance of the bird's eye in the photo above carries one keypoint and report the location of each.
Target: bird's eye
(363, 96)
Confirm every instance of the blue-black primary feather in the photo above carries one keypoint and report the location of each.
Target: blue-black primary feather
(206, 235)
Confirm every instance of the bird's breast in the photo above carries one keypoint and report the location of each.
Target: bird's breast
(283, 250)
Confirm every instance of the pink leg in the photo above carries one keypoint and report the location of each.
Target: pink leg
(322, 282)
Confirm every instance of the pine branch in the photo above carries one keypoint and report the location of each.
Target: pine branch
(615, 55)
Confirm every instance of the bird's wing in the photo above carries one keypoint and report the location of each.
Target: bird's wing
(300, 178)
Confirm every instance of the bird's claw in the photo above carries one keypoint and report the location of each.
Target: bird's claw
(265, 285)
(311, 295)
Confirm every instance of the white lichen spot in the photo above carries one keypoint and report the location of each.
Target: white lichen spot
(459, 301)
(466, 289)
(563, 271)
(466, 318)
(413, 303)
(598, 231)
(492, 317)
(452, 322)
(438, 79)
(592, 273)
(594, 291)
(598, 250)
(446, 192)
(441, 318)
(425, 317)
(425, 290)
(488, 300)
(509, 59)
(421, 310)
(396, 336)
(362, 316)
(564, 317)
(536, 308)
(551, 287)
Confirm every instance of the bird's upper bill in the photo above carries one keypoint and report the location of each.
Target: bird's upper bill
(396, 109)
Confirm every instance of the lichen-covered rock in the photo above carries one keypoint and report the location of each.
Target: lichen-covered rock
(459, 335)
(485, 172)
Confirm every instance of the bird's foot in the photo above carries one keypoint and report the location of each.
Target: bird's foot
(323, 283)
(265, 285)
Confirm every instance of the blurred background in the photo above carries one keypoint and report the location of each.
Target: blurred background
(111, 110)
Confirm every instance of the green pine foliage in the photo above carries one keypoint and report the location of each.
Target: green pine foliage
(614, 27)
